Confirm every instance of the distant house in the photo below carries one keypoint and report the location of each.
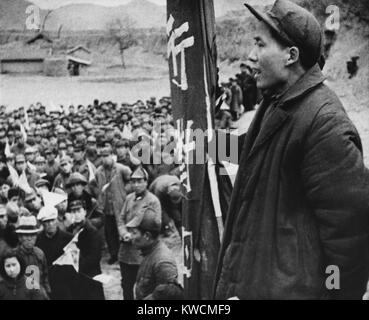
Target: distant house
(75, 65)
(80, 52)
(41, 40)
(23, 61)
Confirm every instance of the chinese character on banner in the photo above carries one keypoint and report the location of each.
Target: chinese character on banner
(184, 148)
(175, 49)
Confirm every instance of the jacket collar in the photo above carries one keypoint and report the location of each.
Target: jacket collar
(312, 78)
(279, 116)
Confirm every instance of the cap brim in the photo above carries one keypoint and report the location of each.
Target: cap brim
(23, 231)
(267, 20)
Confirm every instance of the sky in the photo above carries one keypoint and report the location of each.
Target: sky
(52, 4)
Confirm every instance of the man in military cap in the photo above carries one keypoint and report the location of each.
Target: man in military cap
(158, 266)
(52, 166)
(30, 154)
(52, 241)
(124, 156)
(136, 202)
(77, 184)
(112, 184)
(21, 167)
(89, 243)
(293, 211)
(80, 162)
(61, 179)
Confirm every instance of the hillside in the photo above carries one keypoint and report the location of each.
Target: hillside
(13, 14)
(78, 17)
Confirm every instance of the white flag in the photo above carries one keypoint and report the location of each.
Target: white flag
(90, 171)
(70, 257)
(7, 149)
(52, 199)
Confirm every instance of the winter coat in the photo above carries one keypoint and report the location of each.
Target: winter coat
(300, 202)
(112, 190)
(132, 207)
(16, 289)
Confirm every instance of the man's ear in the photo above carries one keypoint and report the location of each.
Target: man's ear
(294, 55)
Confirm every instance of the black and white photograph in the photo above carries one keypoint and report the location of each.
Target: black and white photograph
(203, 151)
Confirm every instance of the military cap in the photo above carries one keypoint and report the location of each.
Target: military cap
(78, 147)
(30, 150)
(40, 159)
(20, 158)
(79, 130)
(295, 26)
(42, 182)
(122, 143)
(106, 151)
(140, 173)
(75, 205)
(75, 178)
(62, 130)
(91, 139)
(149, 220)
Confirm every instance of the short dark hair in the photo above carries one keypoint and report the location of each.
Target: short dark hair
(12, 253)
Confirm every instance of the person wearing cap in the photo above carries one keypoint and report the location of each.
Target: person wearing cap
(51, 241)
(124, 155)
(77, 184)
(65, 164)
(52, 166)
(248, 85)
(89, 243)
(112, 182)
(21, 167)
(237, 99)
(80, 164)
(42, 185)
(33, 202)
(129, 257)
(30, 154)
(33, 256)
(40, 163)
(168, 190)
(158, 266)
(300, 200)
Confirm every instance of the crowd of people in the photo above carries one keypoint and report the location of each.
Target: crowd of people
(71, 187)
(237, 96)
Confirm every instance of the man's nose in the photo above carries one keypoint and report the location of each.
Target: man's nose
(252, 57)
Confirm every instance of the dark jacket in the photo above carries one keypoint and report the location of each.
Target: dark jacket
(16, 289)
(158, 267)
(111, 189)
(300, 202)
(89, 244)
(133, 207)
(36, 257)
(53, 247)
(94, 212)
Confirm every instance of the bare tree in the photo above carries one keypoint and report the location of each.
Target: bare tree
(42, 27)
(122, 31)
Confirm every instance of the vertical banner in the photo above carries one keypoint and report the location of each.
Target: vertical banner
(192, 65)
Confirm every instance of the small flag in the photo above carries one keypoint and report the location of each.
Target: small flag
(23, 131)
(90, 171)
(52, 199)
(70, 256)
(7, 149)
